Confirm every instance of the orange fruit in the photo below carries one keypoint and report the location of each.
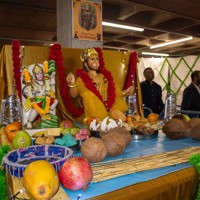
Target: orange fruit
(129, 119)
(89, 121)
(17, 124)
(10, 131)
(153, 117)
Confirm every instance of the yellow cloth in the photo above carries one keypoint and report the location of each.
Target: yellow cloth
(93, 106)
(37, 54)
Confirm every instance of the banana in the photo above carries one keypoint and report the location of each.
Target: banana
(38, 134)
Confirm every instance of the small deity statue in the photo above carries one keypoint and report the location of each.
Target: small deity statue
(101, 95)
(39, 95)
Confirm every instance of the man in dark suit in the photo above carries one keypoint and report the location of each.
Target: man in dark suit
(191, 94)
(151, 92)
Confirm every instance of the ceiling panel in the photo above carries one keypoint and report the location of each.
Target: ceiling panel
(34, 23)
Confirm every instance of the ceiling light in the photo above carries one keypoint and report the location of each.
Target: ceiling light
(122, 26)
(172, 42)
(155, 54)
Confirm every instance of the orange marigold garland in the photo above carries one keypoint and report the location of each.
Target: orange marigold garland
(16, 58)
(46, 67)
(40, 110)
(37, 108)
(47, 106)
(27, 76)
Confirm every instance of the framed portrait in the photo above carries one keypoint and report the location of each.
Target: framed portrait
(87, 20)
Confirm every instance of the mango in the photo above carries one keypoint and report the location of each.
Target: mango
(40, 180)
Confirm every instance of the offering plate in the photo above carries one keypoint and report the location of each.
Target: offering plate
(139, 136)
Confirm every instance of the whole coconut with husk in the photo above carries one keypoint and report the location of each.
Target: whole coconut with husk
(93, 149)
(194, 122)
(183, 119)
(195, 133)
(115, 143)
(174, 129)
(124, 133)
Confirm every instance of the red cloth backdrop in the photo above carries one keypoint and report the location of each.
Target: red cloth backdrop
(131, 70)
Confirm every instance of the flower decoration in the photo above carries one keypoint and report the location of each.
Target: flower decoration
(16, 57)
(56, 55)
(27, 76)
(46, 67)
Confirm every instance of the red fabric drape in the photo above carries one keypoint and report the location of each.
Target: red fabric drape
(131, 70)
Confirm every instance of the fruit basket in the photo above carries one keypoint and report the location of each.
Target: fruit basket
(16, 161)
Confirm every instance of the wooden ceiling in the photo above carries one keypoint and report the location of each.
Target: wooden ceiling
(34, 23)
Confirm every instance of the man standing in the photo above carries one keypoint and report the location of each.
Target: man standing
(151, 92)
(191, 94)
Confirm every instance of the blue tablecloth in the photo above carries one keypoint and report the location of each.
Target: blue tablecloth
(137, 148)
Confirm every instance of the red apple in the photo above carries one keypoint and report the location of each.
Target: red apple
(76, 173)
(66, 124)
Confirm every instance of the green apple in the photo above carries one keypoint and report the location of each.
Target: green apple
(21, 139)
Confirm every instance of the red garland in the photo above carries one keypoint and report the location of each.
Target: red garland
(56, 55)
(108, 76)
(88, 83)
(131, 70)
(16, 57)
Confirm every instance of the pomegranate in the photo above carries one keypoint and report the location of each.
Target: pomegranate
(75, 173)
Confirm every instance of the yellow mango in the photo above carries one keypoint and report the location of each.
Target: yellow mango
(40, 180)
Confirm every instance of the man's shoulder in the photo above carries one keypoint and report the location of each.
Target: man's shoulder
(190, 86)
(156, 84)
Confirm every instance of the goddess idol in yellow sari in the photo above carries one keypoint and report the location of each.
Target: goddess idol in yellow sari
(101, 95)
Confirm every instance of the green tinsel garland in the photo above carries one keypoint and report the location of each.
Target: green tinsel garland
(195, 160)
(3, 194)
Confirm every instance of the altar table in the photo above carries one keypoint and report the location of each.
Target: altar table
(177, 182)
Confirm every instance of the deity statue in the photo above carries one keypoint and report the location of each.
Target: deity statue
(101, 95)
(39, 95)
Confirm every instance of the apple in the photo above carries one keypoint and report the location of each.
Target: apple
(21, 139)
(66, 124)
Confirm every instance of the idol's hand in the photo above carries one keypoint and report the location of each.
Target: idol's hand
(129, 91)
(70, 79)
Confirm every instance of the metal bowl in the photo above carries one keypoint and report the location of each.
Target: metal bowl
(139, 136)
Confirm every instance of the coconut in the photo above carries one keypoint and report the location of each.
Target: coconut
(174, 129)
(115, 144)
(194, 122)
(195, 133)
(124, 133)
(93, 149)
(183, 119)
